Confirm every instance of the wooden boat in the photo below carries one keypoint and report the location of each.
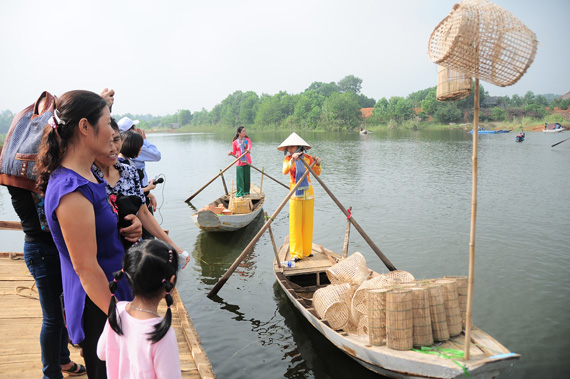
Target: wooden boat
(488, 358)
(553, 130)
(484, 131)
(211, 222)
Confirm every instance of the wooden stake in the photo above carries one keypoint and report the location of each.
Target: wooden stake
(273, 242)
(468, 319)
(346, 236)
(250, 246)
(224, 181)
(371, 243)
(214, 178)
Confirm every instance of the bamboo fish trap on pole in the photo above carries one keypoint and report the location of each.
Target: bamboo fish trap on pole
(481, 40)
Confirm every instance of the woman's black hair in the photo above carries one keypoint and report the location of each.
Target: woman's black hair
(132, 143)
(238, 131)
(148, 266)
(70, 108)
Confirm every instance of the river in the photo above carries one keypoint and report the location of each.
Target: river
(411, 193)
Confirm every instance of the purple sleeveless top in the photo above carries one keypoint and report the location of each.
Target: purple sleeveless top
(109, 248)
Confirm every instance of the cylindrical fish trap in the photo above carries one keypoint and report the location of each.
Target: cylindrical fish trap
(452, 85)
(398, 276)
(359, 299)
(451, 302)
(399, 320)
(331, 304)
(461, 283)
(482, 40)
(376, 300)
(350, 270)
(437, 312)
(422, 335)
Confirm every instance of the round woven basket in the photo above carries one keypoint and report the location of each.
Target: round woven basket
(461, 282)
(437, 312)
(452, 85)
(376, 299)
(451, 302)
(423, 335)
(350, 270)
(399, 319)
(331, 304)
(482, 40)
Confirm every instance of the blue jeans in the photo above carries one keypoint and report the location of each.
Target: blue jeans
(43, 262)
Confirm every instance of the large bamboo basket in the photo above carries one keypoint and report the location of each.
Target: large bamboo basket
(482, 40)
(437, 312)
(451, 302)
(399, 319)
(331, 304)
(377, 316)
(452, 85)
(423, 335)
(350, 270)
(461, 282)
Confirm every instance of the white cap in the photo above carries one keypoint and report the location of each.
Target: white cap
(126, 123)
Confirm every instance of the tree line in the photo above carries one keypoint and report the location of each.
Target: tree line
(337, 106)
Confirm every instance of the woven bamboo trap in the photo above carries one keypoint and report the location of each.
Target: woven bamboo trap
(482, 40)
(350, 270)
(452, 85)
(331, 304)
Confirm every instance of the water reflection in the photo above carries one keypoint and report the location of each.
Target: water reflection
(214, 252)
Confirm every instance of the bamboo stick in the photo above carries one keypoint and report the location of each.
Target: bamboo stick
(224, 182)
(468, 320)
(273, 242)
(371, 243)
(214, 178)
(346, 236)
(270, 177)
(10, 225)
(249, 247)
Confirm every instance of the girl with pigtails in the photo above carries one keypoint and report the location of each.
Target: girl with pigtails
(137, 342)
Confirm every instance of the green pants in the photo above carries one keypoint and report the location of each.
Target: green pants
(243, 180)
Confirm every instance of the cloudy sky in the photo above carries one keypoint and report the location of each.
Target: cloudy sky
(165, 55)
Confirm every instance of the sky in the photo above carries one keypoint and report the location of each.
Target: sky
(162, 56)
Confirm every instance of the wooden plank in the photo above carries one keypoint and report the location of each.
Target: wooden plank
(21, 319)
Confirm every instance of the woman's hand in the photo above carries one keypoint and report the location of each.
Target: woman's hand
(295, 156)
(230, 153)
(153, 202)
(318, 160)
(133, 232)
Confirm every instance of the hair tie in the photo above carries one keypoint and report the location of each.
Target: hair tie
(169, 256)
(163, 280)
(168, 293)
(58, 120)
(112, 295)
(52, 122)
(115, 280)
(123, 270)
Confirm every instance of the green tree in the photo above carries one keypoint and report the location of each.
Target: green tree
(184, 117)
(341, 111)
(323, 89)
(350, 84)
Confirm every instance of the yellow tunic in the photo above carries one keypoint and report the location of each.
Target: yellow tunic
(301, 211)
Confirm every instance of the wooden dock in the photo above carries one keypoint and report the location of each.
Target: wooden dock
(21, 319)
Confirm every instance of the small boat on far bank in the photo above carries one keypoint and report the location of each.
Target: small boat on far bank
(215, 217)
(484, 131)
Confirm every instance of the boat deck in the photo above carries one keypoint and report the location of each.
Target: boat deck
(21, 319)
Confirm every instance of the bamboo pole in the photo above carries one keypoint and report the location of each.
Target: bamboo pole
(214, 178)
(10, 225)
(471, 279)
(261, 184)
(270, 177)
(249, 247)
(273, 242)
(346, 236)
(224, 182)
(371, 243)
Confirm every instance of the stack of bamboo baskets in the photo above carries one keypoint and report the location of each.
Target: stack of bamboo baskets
(392, 309)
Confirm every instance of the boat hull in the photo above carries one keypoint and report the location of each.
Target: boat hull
(211, 222)
(386, 361)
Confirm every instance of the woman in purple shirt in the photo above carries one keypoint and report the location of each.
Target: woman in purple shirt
(82, 222)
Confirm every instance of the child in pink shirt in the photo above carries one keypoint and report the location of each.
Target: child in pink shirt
(137, 342)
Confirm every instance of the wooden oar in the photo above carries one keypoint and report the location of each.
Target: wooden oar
(214, 178)
(264, 173)
(381, 255)
(250, 246)
(558, 143)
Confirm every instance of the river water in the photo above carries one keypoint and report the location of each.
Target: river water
(411, 193)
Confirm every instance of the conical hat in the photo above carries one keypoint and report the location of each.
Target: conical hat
(293, 140)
